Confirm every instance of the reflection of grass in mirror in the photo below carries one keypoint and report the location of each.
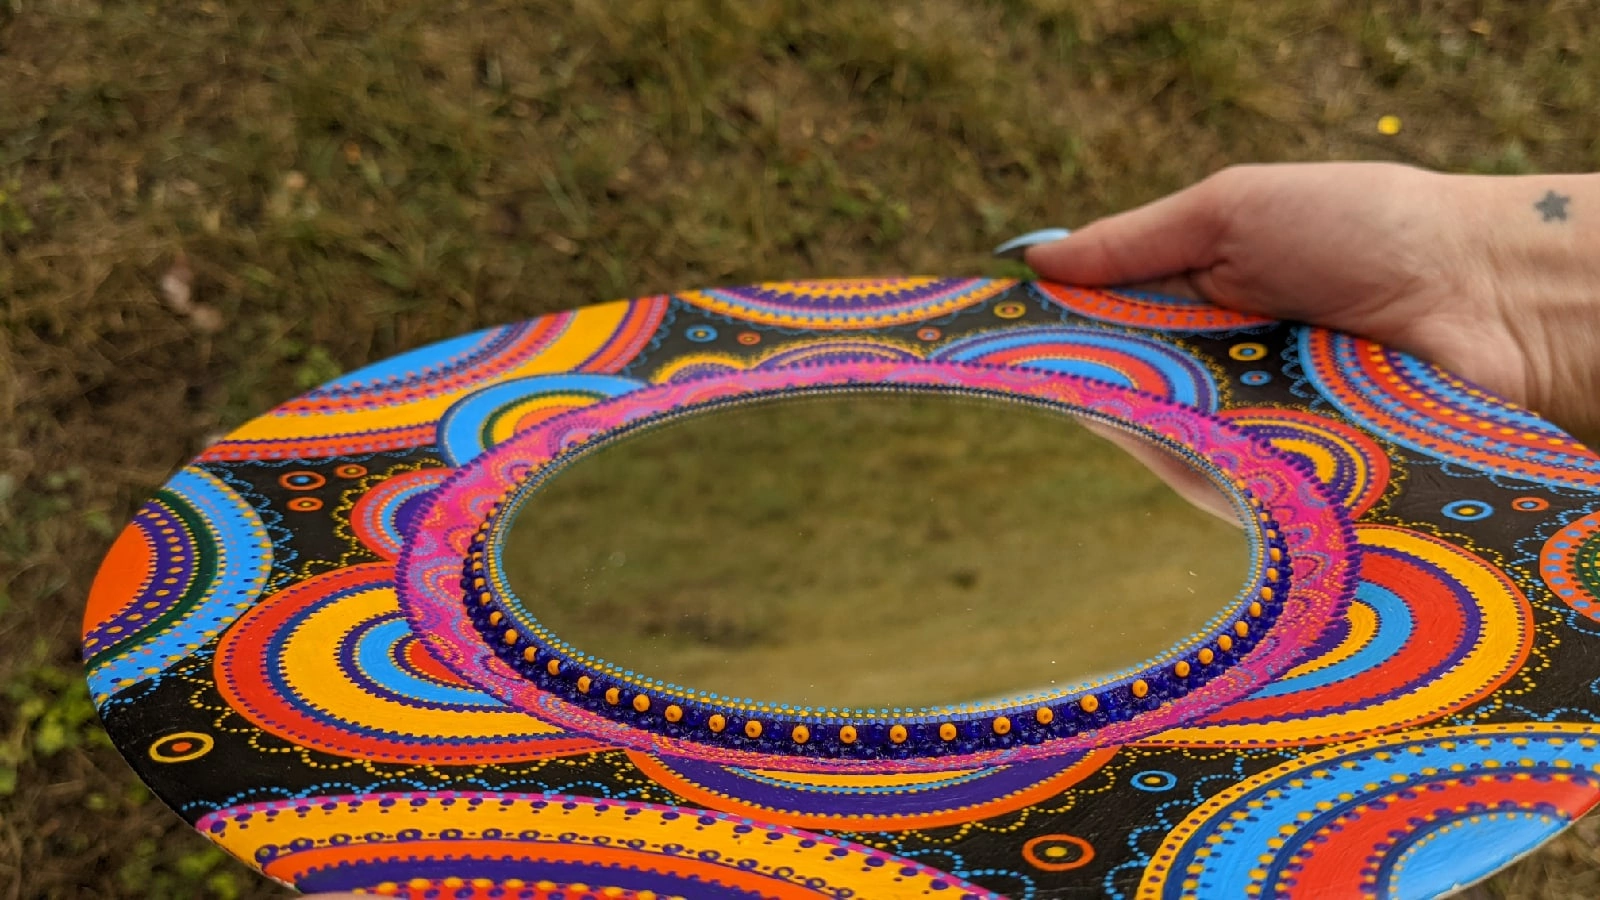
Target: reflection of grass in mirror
(870, 551)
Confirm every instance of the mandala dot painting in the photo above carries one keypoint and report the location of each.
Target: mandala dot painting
(313, 643)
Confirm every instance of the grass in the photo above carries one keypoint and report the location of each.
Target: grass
(207, 206)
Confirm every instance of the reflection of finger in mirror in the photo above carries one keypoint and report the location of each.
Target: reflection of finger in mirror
(1187, 481)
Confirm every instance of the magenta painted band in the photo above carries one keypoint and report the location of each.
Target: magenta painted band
(1321, 547)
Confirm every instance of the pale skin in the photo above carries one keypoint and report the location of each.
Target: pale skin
(1494, 278)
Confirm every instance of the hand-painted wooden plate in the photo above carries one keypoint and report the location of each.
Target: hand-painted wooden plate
(305, 643)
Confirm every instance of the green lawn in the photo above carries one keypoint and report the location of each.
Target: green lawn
(208, 206)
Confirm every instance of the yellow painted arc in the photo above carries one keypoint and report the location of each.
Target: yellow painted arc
(505, 424)
(314, 674)
(1507, 624)
(598, 826)
(586, 332)
(1323, 462)
(1363, 621)
(678, 364)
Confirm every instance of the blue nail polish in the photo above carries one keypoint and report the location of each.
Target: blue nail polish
(1014, 248)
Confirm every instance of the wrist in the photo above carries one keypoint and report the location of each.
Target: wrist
(1532, 246)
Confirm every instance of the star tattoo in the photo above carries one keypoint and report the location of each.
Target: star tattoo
(1553, 207)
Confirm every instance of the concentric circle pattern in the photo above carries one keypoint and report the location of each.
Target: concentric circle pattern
(1570, 565)
(1141, 309)
(1429, 411)
(306, 644)
(337, 843)
(1412, 815)
(846, 304)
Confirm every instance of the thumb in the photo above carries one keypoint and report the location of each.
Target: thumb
(1176, 234)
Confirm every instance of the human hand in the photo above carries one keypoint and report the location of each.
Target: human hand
(1495, 279)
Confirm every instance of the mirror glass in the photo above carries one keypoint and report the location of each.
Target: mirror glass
(876, 550)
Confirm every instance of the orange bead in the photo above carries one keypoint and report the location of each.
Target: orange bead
(1044, 715)
(717, 722)
(752, 729)
(1089, 704)
(673, 712)
(553, 667)
(1181, 669)
(641, 703)
(847, 734)
(897, 733)
(801, 734)
(1002, 725)
(947, 731)
(1139, 688)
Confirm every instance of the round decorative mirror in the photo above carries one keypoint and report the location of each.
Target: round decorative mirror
(871, 550)
(922, 587)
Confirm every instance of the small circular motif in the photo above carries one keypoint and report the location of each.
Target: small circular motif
(1154, 781)
(1057, 852)
(302, 481)
(181, 746)
(1255, 378)
(1467, 510)
(700, 334)
(304, 504)
(350, 470)
(1247, 352)
(1010, 309)
(749, 338)
(929, 333)
(1530, 504)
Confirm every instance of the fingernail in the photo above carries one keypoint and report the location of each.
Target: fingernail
(1014, 248)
